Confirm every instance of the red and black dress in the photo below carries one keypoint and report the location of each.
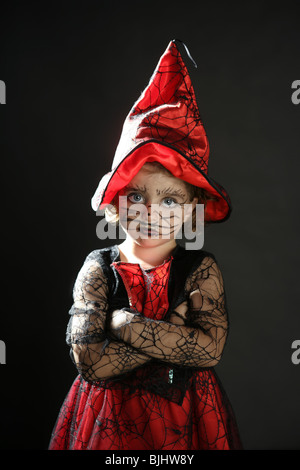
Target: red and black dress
(145, 401)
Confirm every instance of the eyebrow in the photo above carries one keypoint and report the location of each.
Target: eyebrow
(166, 191)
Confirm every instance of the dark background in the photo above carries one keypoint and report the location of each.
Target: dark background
(72, 73)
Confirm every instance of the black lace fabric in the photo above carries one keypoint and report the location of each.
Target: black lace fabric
(149, 384)
(198, 342)
(96, 356)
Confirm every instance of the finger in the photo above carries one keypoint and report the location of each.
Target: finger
(182, 308)
(196, 299)
(176, 320)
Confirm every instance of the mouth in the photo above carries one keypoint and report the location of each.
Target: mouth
(145, 230)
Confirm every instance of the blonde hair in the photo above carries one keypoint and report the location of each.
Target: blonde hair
(112, 215)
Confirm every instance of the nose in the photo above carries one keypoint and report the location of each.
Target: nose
(151, 213)
(148, 207)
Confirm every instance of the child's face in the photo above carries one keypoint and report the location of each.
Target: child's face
(154, 201)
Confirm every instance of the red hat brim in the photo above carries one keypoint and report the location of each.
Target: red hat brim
(217, 210)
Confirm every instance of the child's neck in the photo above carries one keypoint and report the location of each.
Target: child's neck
(147, 256)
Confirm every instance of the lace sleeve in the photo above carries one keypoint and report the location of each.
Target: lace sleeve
(94, 354)
(200, 341)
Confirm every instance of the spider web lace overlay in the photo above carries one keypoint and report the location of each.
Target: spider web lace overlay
(94, 354)
(146, 289)
(125, 396)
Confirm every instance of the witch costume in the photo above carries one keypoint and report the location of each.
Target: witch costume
(136, 393)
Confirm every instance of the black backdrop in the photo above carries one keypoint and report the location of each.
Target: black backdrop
(72, 72)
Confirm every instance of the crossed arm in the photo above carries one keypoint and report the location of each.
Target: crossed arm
(194, 336)
(96, 357)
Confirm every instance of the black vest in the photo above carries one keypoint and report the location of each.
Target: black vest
(184, 262)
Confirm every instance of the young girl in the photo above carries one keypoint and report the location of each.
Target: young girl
(149, 319)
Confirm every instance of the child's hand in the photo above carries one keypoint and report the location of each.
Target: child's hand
(119, 318)
(179, 315)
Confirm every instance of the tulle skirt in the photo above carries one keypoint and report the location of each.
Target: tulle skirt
(94, 417)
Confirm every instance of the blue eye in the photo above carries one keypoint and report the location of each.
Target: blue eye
(173, 202)
(139, 198)
(135, 197)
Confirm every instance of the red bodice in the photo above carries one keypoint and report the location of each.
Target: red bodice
(147, 289)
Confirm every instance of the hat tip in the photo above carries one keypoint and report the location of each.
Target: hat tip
(186, 49)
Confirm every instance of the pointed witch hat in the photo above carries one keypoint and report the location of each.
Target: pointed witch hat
(164, 125)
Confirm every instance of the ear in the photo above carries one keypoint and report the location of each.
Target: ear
(194, 202)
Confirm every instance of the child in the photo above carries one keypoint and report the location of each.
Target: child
(149, 319)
